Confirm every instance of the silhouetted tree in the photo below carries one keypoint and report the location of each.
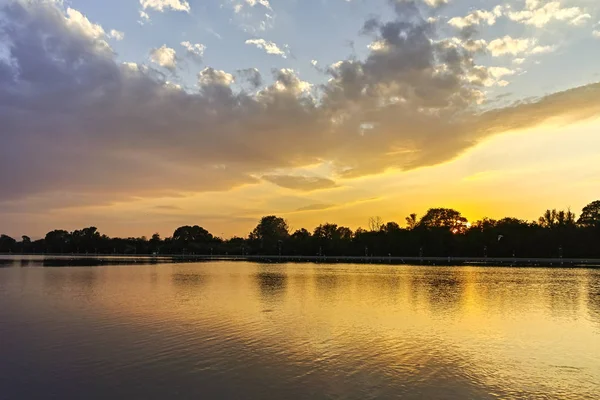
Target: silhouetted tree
(57, 241)
(590, 215)
(375, 223)
(269, 234)
(444, 218)
(440, 232)
(7, 244)
(412, 221)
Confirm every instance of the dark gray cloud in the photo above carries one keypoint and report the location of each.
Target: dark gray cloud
(76, 121)
(251, 76)
(304, 183)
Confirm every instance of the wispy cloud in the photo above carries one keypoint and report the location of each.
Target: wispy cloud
(267, 46)
(194, 49)
(303, 183)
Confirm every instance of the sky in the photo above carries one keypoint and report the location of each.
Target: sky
(139, 116)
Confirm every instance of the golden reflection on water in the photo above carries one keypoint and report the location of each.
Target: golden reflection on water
(352, 331)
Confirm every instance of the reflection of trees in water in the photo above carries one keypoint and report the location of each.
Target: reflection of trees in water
(188, 279)
(385, 285)
(80, 282)
(563, 292)
(189, 286)
(327, 283)
(54, 280)
(444, 289)
(83, 278)
(593, 296)
(271, 284)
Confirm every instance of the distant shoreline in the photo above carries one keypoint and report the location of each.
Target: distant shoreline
(394, 260)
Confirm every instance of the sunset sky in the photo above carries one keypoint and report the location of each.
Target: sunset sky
(139, 116)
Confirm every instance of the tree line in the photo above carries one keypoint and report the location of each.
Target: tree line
(440, 232)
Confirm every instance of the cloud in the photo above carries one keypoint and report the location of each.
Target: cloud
(165, 57)
(121, 131)
(168, 207)
(509, 45)
(476, 17)
(214, 77)
(315, 207)
(144, 18)
(543, 49)
(539, 16)
(252, 76)
(436, 3)
(268, 47)
(77, 20)
(253, 3)
(303, 183)
(596, 34)
(195, 50)
(117, 35)
(161, 5)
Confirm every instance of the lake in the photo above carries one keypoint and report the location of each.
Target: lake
(297, 331)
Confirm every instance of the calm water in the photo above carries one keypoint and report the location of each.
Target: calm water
(244, 330)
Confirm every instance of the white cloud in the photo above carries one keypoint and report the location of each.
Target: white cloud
(435, 3)
(540, 16)
(264, 3)
(596, 34)
(499, 72)
(580, 20)
(196, 50)
(287, 81)
(117, 35)
(518, 61)
(77, 20)
(314, 62)
(237, 8)
(144, 18)
(132, 66)
(477, 17)
(210, 77)
(490, 76)
(543, 49)
(81, 24)
(161, 5)
(509, 45)
(165, 57)
(471, 44)
(377, 45)
(269, 47)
